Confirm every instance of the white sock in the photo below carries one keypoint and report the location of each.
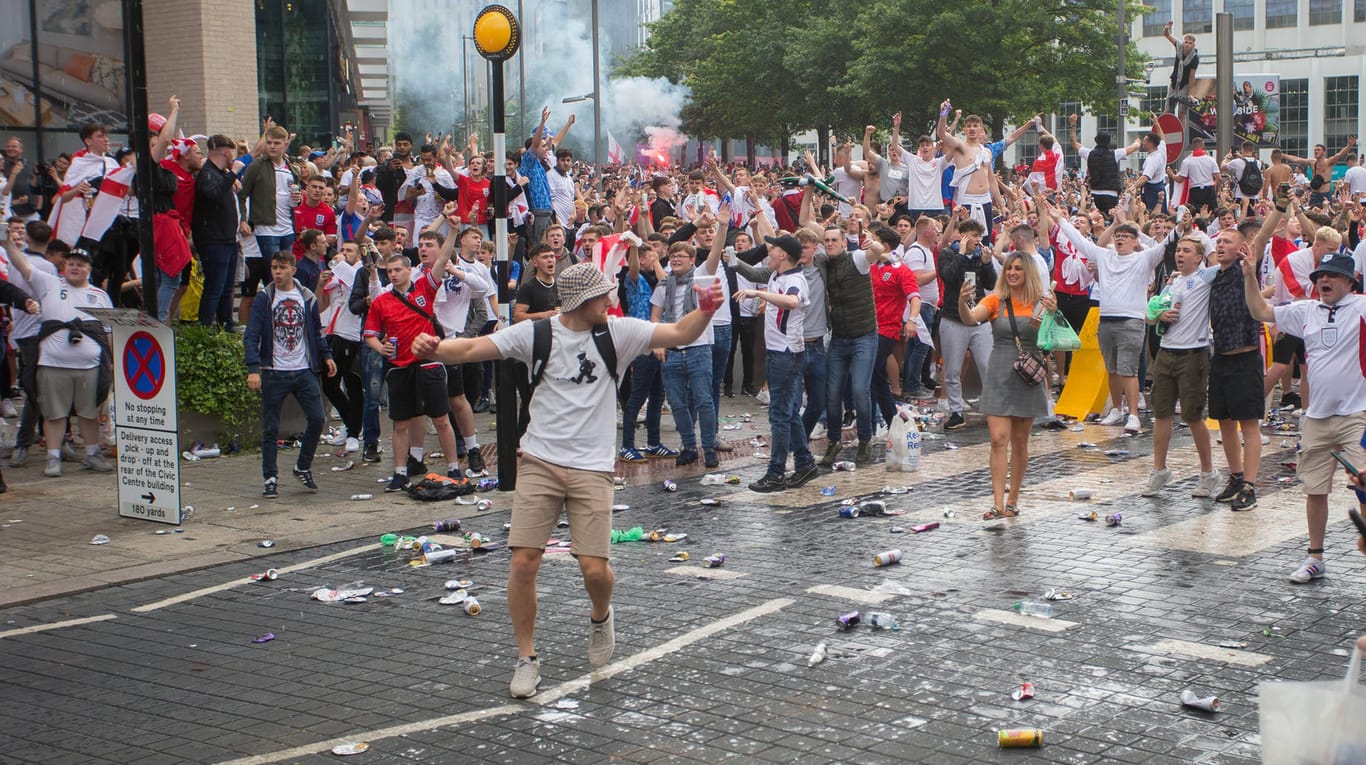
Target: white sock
(416, 451)
(92, 449)
(471, 441)
(453, 467)
(401, 471)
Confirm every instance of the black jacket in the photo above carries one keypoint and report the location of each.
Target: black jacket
(215, 207)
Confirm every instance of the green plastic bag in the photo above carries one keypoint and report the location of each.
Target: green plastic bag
(1055, 334)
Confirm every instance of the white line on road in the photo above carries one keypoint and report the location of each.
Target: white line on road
(1203, 651)
(56, 625)
(1021, 620)
(541, 699)
(171, 601)
(852, 593)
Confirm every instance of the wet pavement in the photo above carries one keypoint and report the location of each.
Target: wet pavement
(711, 664)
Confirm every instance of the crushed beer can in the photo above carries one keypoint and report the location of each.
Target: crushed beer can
(472, 607)
(350, 465)
(679, 558)
(484, 505)
(1079, 495)
(615, 509)
(1025, 691)
(670, 485)
(874, 507)
(896, 489)
(1092, 516)
(452, 524)
(887, 558)
(845, 466)
(846, 621)
(269, 575)
(266, 638)
(1206, 703)
(458, 584)
(714, 561)
(923, 527)
(1114, 519)
(709, 501)
(828, 491)
(99, 539)
(266, 543)
(355, 747)
(849, 511)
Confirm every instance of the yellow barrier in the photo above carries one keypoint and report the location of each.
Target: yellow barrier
(1088, 386)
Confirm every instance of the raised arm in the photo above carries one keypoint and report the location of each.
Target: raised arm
(1336, 158)
(19, 259)
(564, 131)
(941, 130)
(1072, 132)
(1256, 304)
(718, 242)
(162, 141)
(536, 136)
(1019, 132)
(868, 152)
(1167, 33)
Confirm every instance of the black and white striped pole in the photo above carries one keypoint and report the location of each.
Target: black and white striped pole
(497, 37)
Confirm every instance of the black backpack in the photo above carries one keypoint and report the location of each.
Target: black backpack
(540, 353)
(1250, 183)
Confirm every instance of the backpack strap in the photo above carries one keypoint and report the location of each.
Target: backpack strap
(436, 326)
(602, 338)
(540, 353)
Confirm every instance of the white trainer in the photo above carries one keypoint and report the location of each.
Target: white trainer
(1115, 417)
(1156, 481)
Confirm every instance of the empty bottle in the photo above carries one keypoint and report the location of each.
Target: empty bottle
(1034, 608)
(883, 620)
(817, 656)
(363, 496)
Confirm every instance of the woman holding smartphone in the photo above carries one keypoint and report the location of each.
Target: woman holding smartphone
(1010, 403)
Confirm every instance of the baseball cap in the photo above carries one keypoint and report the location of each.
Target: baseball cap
(1336, 263)
(788, 243)
(580, 283)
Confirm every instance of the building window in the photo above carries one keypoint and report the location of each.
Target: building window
(1107, 125)
(1294, 137)
(1154, 100)
(1197, 16)
(1282, 13)
(1341, 101)
(1154, 22)
(1244, 13)
(1359, 10)
(1324, 12)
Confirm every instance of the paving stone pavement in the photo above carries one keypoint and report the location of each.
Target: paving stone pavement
(711, 664)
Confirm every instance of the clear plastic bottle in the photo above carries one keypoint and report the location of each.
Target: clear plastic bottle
(883, 621)
(1034, 608)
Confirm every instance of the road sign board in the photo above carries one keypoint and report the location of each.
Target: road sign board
(146, 420)
(1174, 135)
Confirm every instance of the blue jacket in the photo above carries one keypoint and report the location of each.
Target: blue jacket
(260, 338)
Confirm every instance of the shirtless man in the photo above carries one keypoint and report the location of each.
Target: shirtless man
(1276, 173)
(974, 179)
(1322, 168)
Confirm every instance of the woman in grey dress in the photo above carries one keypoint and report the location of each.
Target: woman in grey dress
(1010, 403)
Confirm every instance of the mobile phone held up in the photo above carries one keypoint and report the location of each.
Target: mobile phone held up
(1351, 470)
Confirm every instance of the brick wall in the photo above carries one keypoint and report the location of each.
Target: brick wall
(204, 51)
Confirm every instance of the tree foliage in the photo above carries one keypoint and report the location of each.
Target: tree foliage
(776, 67)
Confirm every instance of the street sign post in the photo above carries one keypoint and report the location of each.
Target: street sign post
(146, 419)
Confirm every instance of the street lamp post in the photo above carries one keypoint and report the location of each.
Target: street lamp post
(597, 106)
(465, 80)
(497, 36)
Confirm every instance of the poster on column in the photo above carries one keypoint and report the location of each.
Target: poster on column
(1256, 109)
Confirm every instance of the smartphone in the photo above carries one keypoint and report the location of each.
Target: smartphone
(970, 279)
(1360, 524)
(1342, 460)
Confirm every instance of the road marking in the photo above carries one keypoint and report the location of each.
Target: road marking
(56, 625)
(702, 572)
(1020, 620)
(1203, 651)
(851, 593)
(540, 699)
(171, 601)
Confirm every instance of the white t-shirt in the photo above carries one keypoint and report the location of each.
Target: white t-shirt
(1332, 350)
(784, 329)
(290, 330)
(1199, 171)
(680, 296)
(722, 317)
(284, 204)
(1191, 293)
(1236, 167)
(62, 302)
(483, 271)
(1124, 278)
(426, 208)
(26, 326)
(454, 297)
(561, 194)
(918, 258)
(845, 185)
(573, 420)
(1355, 178)
(749, 307)
(1155, 164)
(338, 319)
(925, 190)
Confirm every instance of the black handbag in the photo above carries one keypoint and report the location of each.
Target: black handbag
(1028, 366)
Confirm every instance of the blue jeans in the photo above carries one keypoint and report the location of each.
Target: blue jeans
(720, 355)
(303, 385)
(882, 385)
(813, 382)
(784, 374)
(372, 386)
(687, 382)
(852, 357)
(647, 382)
(219, 262)
(272, 244)
(912, 374)
(166, 288)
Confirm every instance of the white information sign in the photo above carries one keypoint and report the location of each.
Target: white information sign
(146, 420)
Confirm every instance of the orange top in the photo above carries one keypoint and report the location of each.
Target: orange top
(1023, 311)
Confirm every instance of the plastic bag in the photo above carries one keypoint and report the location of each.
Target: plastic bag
(435, 487)
(194, 290)
(903, 442)
(1314, 722)
(1055, 334)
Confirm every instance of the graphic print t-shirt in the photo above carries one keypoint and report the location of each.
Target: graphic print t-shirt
(287, 322)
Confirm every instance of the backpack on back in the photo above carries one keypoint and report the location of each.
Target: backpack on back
(1250, 183)
(540, 353)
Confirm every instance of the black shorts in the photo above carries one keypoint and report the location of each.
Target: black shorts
(1206, 196)
(258, 271)
(1288, 349)
(417, 391)
(1105, 203)
(1235, 387)
(462, 378)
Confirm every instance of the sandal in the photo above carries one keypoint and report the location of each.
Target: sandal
(1011, 511)
(993, 514)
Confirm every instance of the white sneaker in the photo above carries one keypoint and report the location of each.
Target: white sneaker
(1156, 480)
(54, 467)
(817, 432)
(525, 678)
(1115, 417)
(1206, 485)
(1142, 403)
(602, 640)
(1132, 425)
(7, 408)
(338, 437)
(352, 445)
(762, 397)
(1312, 568)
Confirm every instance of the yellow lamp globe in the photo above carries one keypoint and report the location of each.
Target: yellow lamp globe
(495, 33)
